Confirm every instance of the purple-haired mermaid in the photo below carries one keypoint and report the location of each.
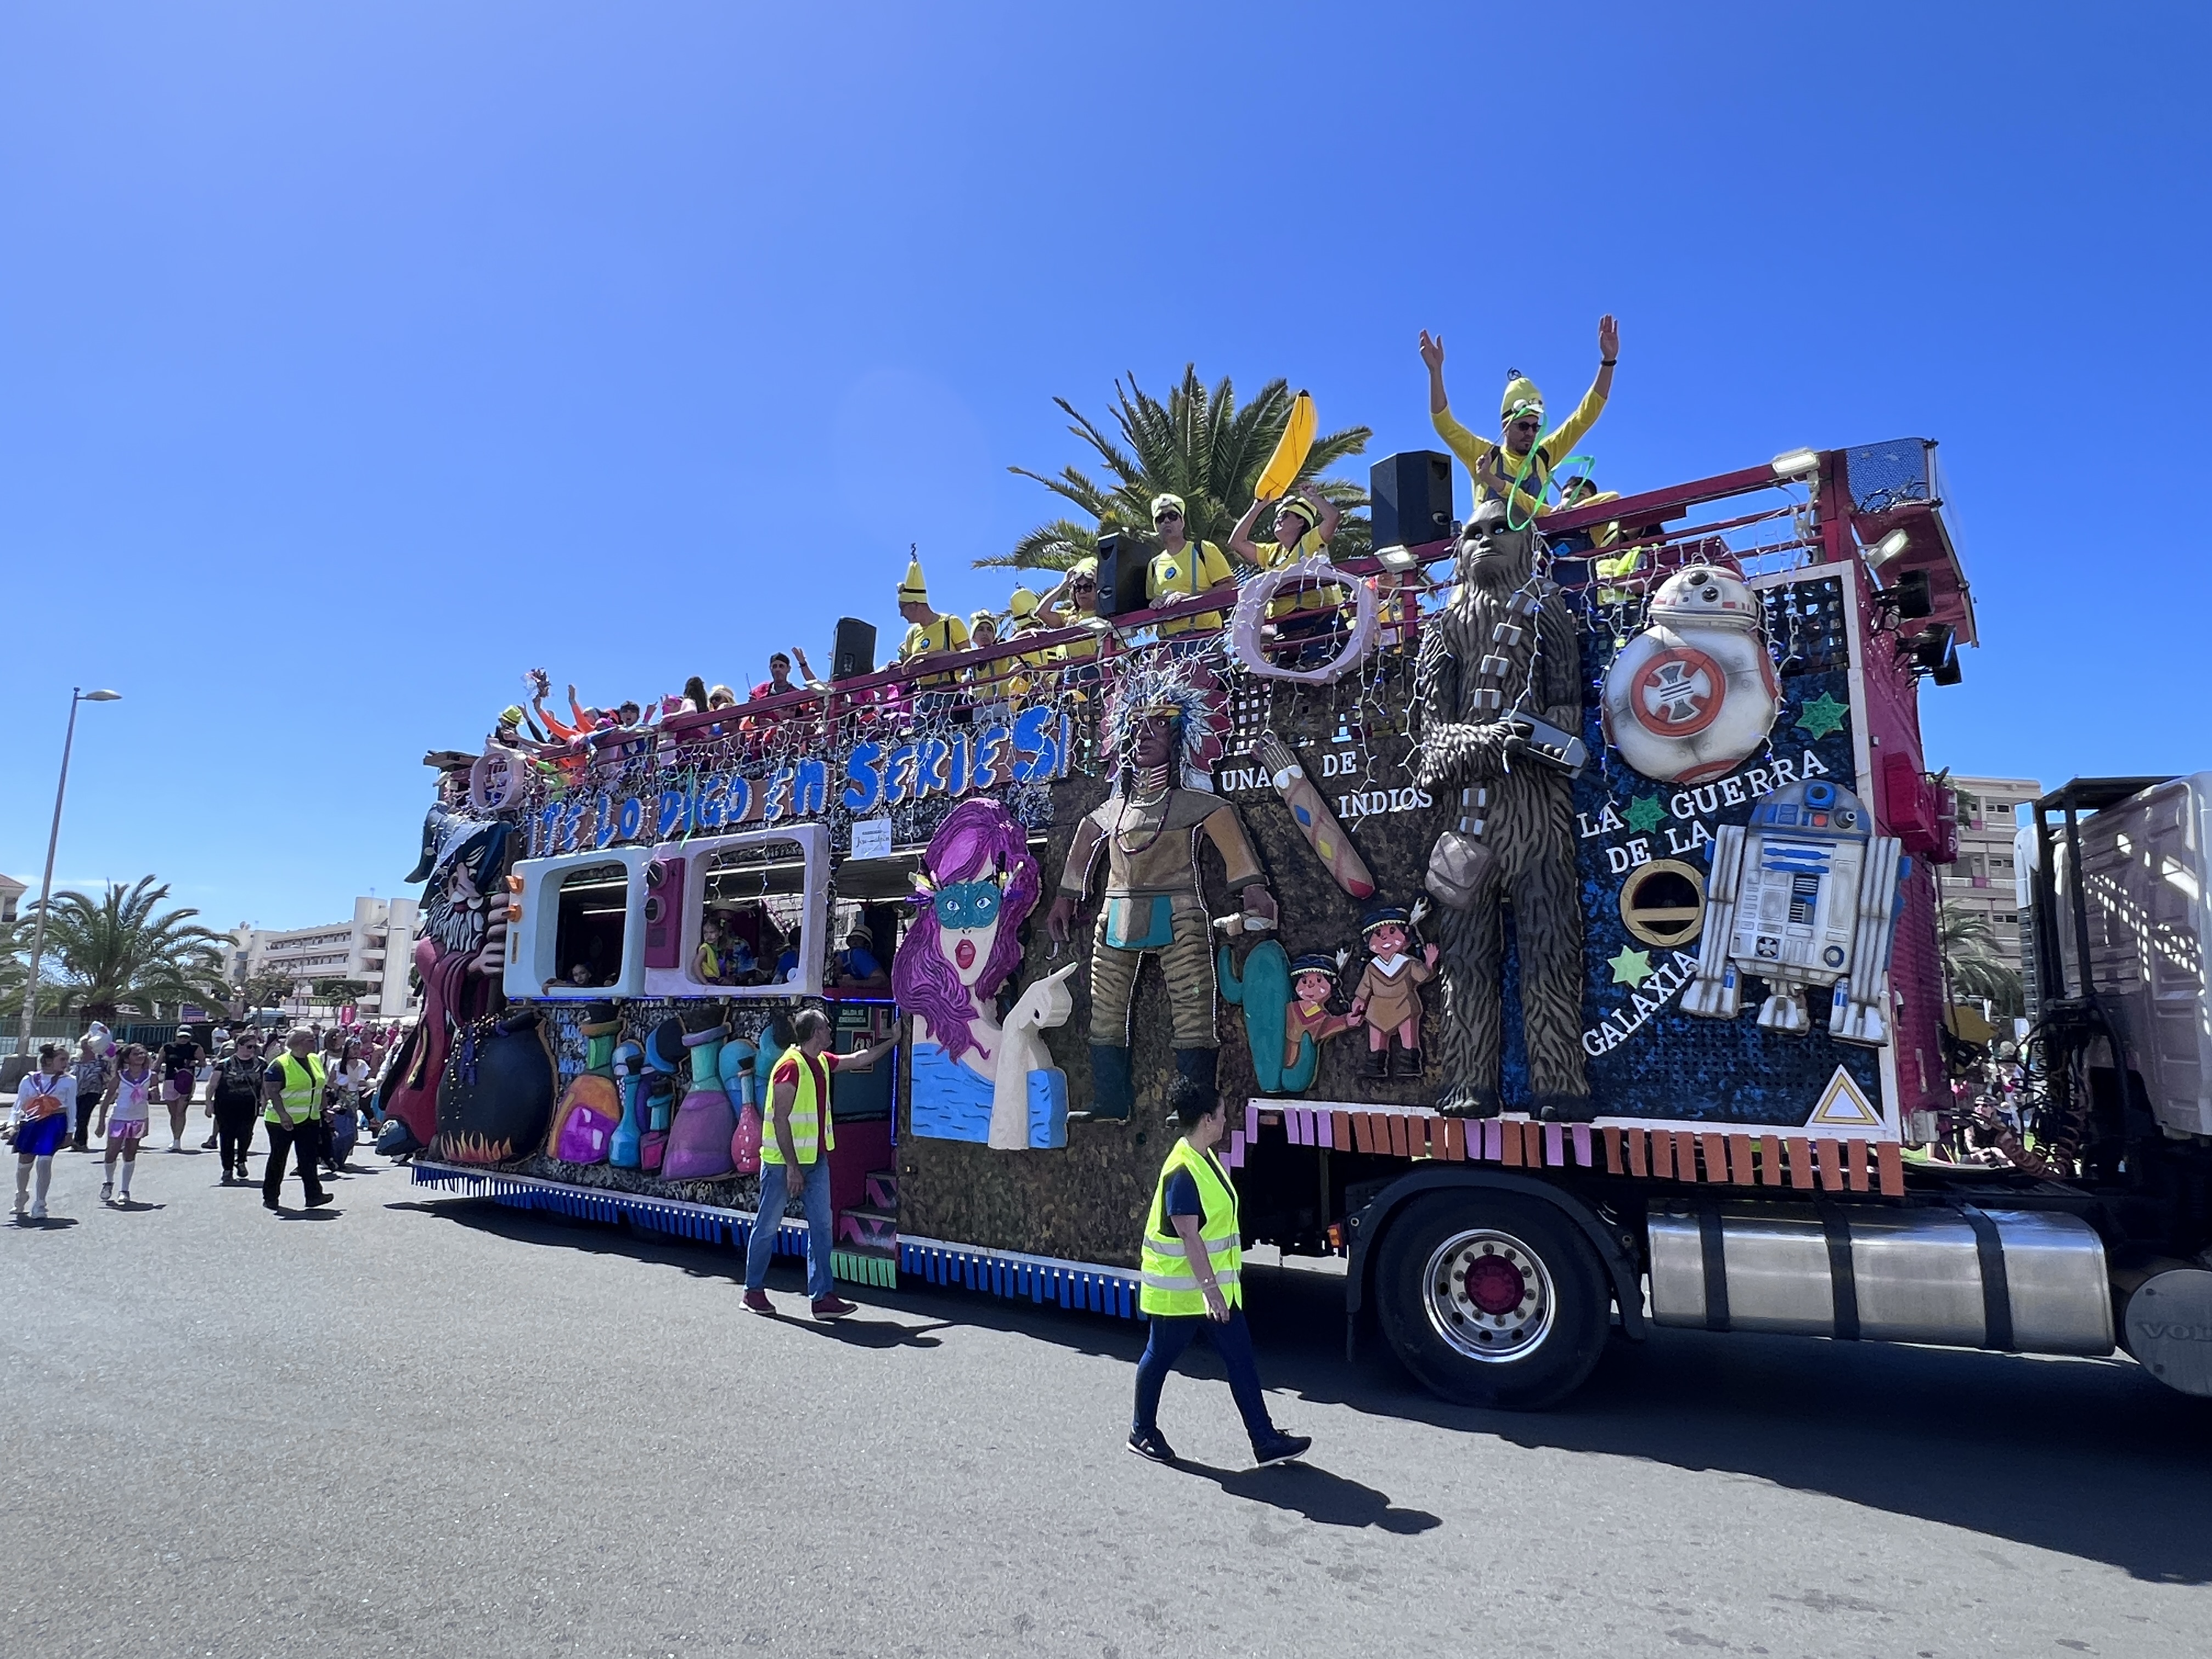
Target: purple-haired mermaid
(951, 966)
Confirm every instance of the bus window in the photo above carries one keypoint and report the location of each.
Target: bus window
(579, 930)
(752, 905)
(587, 948)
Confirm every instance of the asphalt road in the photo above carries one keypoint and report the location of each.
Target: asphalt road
(420, 1425)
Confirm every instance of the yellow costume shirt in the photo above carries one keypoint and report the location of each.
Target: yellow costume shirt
(945, 633)
(1494, 469)
(1193, 567)
(1273, 556)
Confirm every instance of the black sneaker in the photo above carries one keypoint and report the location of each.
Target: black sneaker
(1151, 1445)
(1283, 1449)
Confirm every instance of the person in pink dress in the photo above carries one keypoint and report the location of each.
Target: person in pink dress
(127, 1108)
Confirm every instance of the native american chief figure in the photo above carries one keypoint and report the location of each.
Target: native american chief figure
(1501, 657)
(1162, 727)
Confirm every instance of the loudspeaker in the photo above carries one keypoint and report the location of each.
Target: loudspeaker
(1410, 498)
(1123, 558)
(854, 652)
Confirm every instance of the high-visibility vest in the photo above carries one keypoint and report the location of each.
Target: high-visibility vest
(1168, 1285)
(303, 1089)
(812, 1129)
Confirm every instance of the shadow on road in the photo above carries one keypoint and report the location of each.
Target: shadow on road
(1330, 1499)
(2089, 1458)
(52, 1224)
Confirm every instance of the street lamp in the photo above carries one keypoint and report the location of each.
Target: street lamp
(46, 883)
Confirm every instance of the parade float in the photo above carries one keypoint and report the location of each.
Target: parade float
(1560, 926)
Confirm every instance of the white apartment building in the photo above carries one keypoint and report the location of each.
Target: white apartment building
(1982, 879)
(377, 947)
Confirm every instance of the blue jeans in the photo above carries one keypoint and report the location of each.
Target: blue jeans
(1170, 1335)
(821, 1229)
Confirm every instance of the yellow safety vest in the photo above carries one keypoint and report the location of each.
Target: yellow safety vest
(812, 1128)
(303, 1089)
(1169, 1286)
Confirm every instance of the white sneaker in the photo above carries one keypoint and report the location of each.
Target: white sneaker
(39, 1211)
(22, 1204)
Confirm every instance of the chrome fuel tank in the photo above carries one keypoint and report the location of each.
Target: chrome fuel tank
(2027, 1281)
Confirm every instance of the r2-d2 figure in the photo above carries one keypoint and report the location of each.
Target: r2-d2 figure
(1805, 894)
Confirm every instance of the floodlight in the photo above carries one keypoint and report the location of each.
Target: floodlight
(1888, 548)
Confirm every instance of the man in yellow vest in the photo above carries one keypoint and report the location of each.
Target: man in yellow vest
(795, 1159)
(292, 1090)
(1193, 1268)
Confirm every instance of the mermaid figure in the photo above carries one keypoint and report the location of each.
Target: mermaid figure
(976, 1078)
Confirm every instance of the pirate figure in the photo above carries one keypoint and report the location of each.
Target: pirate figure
(1388, 999)
(1159, 723)
(1313, 985)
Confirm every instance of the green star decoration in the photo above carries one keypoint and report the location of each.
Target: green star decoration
(1645, 813)
(1822, 715)
(1631, 967)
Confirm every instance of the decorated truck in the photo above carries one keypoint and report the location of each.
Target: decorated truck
(1555, 904)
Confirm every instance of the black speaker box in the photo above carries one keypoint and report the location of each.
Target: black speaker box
(1410, 498)
(1123, 558)
(855, 653)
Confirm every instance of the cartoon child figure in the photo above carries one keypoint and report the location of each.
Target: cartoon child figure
(1314, 984)
(1388, 997)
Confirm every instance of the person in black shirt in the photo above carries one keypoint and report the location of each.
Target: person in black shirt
(180, 1066)
(234, 1099)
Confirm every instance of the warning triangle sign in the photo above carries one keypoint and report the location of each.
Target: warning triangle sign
(1842, 1106)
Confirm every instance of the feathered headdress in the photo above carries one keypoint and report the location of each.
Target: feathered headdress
(1182, 687)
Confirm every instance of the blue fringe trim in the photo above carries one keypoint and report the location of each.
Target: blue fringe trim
(1078, 1285)
(1002, 1273)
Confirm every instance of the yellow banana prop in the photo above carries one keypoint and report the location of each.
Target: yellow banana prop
(1291, 450)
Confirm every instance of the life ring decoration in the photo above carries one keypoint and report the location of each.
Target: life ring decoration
(1252, 602)
(495, 779)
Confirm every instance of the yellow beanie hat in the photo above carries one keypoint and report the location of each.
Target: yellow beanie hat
(914, 590)
(1521, 398)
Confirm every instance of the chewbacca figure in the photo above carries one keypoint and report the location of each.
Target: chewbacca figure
(1504, 647)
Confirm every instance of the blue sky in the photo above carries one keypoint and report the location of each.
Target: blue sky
(355, 358)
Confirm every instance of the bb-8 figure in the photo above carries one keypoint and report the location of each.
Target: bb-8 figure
(1692, 697)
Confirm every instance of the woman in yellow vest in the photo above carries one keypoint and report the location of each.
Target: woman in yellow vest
(293, 1088)
(796, 1142)
(1193, 1267)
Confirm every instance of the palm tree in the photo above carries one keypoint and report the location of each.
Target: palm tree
(15, 949)
(1975, 964)
(266, 989)
(1198, 444)
(115, 948)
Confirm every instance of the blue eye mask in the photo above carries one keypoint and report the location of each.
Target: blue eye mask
(968, 904)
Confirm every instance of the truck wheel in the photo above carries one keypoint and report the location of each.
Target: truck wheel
(1492, 1298)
